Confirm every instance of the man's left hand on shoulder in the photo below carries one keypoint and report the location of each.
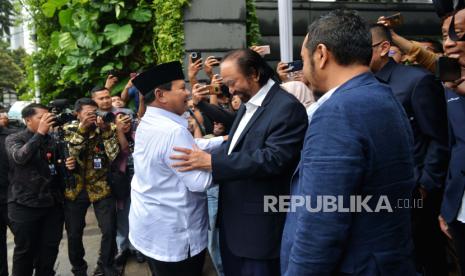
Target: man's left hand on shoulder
(192, 159)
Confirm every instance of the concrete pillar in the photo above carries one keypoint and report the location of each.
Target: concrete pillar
(214, 27)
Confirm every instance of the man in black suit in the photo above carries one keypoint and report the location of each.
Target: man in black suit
(452, 219)
(422, 97)
(258, 159)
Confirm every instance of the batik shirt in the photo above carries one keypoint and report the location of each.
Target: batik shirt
(89, 147)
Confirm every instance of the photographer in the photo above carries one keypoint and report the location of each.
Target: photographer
(35, 196)
(94, 144)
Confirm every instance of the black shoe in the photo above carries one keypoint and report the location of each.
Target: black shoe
(140, 257)
(98, 271)
(121, 257)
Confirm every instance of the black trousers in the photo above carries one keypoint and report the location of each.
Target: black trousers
(239, 266)
(3, 248)
(75, 214)
(37, 235)
(192, 266)
(457, 230)
(430, 243)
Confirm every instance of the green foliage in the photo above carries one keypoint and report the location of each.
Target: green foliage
(253, 29)
(12, 68)
(169, 30)
(6, 13)
(81, 40)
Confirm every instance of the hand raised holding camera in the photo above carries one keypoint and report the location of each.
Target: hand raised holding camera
(194, 67)
(123, 123)
(209, 64)
(100, 123)
(111, 81)
(199, 92)
(217, 79)
(261, 50)
(283, 69)
(46, 122)
(88, 119)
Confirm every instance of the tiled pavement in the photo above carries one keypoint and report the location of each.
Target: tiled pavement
(91, 245)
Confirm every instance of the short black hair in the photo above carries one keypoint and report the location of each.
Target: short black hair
(82, 102)
(150, 97)
(382, 32)
(250, 62)
(345, 34)
(97, 89)
(31, 109)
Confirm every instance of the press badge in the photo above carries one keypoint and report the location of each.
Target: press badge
(52, 168)
(97, 163)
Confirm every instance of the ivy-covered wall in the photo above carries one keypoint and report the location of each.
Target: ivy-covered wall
(80, 41)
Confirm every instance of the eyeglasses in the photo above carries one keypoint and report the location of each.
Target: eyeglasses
(377, 44)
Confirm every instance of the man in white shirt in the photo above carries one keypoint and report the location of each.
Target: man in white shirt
(168, 215)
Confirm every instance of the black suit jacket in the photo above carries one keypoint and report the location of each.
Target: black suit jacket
(261, 163)
(455, 184)
(422, 97)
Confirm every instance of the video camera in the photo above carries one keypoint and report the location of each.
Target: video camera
(62, 114)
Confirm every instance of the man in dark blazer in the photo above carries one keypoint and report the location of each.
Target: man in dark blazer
(422, 97)
(358, 143)
(257, 161)
(452, 215)
(452, 219)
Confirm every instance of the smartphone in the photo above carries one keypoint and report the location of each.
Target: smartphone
(214, 89)
(196, 56)
(448, 69)
(395, 19)
(114, 73)
(266, 48)
(295, 65)
(219, 60)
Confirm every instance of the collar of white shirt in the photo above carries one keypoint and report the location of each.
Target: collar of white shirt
(257, 99)
(314, 106)
(155, 111)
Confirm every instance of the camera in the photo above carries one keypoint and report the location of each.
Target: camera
(107, 117)
(62, 114)
(195, 56)
(110, 117)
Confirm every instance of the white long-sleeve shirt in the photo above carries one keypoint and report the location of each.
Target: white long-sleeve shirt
(168, 217)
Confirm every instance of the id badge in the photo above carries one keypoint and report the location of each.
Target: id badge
(52, 168)
(97, 163)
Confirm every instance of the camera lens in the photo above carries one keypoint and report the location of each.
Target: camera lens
(193, 55)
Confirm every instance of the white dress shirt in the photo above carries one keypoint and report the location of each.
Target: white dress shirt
(168, 217)
(314, 106)
(251, 107)
(461, 215)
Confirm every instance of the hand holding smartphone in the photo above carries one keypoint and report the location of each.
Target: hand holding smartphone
(448, 69)
(394, 20)
(295, 65)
